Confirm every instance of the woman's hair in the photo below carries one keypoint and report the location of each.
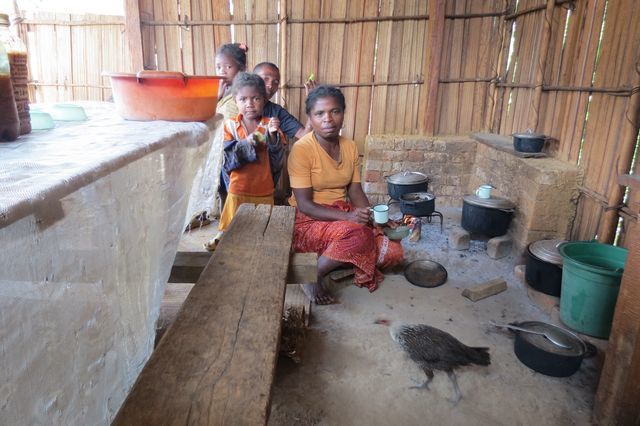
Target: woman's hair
(235, 51)
(245, 79)
(323, 92)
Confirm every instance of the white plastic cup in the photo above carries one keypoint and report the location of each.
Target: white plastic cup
(484, 191)
(381, 214)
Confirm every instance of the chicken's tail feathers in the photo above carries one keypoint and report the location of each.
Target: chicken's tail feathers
(480, 356)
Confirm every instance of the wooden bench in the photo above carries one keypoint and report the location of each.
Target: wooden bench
(216, 362)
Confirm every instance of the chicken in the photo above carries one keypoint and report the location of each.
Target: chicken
(434, 349)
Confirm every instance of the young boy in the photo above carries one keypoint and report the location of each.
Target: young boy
(289, 125)
(253, 148)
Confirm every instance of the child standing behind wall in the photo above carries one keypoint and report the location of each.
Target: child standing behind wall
(253, 149)
(231, 58)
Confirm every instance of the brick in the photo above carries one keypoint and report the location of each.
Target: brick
(499, 247)
(375, 154)
(486, 289)
(420, 144)
(459, 239)
(373, 165)
(372, 176)
(415, 156)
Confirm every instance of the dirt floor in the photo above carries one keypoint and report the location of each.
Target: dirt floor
(352, 373)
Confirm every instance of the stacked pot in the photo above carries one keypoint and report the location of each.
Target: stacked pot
(411, 189)
(544, 266)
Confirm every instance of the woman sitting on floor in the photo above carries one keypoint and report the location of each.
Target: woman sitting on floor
(332, 215)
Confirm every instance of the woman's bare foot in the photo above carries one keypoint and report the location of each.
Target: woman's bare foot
(317, 293)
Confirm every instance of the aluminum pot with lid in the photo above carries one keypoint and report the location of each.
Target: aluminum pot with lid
(543, 269)
(406, 182)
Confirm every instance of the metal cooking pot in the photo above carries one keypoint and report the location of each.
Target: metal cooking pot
(406, 182)
(541, 355)
(528, 141)
(486, 216)
(418, 203)
(543, 270)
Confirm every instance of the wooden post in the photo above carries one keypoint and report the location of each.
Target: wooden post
(496, 93)
(283, 50)
(534, 111)
(617, 396)
(133, 34)
(432, 65)
(628, 136)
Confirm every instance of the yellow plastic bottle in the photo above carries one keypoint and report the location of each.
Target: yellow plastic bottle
(17, 51)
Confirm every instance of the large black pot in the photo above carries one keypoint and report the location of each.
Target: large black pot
(417, 203)
(528, 142)
(543, 269)
(490, 217)
(539, 354)
(405, 183)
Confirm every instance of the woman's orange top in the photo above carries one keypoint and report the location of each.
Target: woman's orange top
(310, 166)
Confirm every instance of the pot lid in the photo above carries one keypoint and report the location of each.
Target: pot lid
(529, 134)
(491, 203)
(407, 178)
(547, 250)
(578, 347)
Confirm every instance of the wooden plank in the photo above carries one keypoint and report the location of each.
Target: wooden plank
(362, 105)
(303, 268)
(148, 35)
(381, 73)
(133, 34)
(186, 38)
(216, 363)
(486, 289)
(616, 401)
(432, 74)
(188, 265)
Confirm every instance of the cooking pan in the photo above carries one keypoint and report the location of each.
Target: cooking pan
(406, 182)
(540, 354)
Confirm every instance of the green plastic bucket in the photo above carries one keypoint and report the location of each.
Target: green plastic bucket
(591, 274)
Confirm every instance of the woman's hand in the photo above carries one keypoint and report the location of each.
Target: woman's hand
(359, 215)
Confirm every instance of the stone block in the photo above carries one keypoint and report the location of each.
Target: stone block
(373, 165)
(415, 156)
(372, 176)
(375, 154)
(459, 239)
(499, 247)
(518, 271)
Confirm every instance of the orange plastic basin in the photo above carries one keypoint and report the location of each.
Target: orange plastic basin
(164, 95)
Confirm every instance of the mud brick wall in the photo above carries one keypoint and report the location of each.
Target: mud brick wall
(542, 188)
(447, 161)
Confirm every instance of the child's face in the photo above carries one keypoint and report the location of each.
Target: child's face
(250, 102)
(226, 67)
(271, 79)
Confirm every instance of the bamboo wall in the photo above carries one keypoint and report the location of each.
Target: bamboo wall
(378, 52)
(67, 54)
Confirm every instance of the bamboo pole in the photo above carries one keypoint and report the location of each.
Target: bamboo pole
(534, 109)
(35, 22)
(533, 9)
(432, 74)
(423, 17)
(616, 91)
(628, 139)
(494, 117)
(133, 34)
(365, 84)
(284, 65)
(616, 401)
